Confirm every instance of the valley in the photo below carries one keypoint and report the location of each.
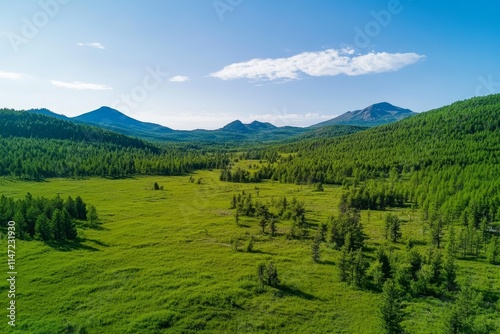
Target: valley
(304, 235)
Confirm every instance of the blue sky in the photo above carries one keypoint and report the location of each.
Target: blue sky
(192, 64)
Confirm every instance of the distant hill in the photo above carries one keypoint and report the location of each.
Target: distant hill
(30, 124)
(47, 112)
(374, 115)
(114, 120)
(236, 131)
(255, 126)
(111, 119)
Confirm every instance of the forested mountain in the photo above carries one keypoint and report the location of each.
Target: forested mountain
(236, 131)
(35, 146)
(376, 114)
(446, 161)
(37, 125)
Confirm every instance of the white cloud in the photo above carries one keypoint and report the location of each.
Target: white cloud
(92, 45)
(179, 78)
(330, 62)
(79, 85)
(13, 76)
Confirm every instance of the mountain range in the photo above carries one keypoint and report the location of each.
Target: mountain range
(352, 121)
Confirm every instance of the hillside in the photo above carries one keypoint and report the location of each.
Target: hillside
(43, 124)
(317, 235)
(456, 148)
(374, 115)
(36, 147)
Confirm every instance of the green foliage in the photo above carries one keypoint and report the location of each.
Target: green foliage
(315, 248)
(392, 227)
(43, 219)
(494, 250)
(462, 313)
(347, 228)
(391, 309)
(268, 274)
(352, 266)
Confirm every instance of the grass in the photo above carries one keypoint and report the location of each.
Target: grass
(162, 262)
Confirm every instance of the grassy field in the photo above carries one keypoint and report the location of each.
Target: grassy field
(162, 262)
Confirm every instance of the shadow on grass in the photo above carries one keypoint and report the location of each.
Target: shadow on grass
(258, 251)
(97, 242)
(70, 245)
(327, 262)
(287, 290)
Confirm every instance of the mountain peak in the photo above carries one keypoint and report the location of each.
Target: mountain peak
(118, 121)
(376, 114)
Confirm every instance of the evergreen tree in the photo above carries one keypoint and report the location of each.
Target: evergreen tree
(81, 208)
(493, 251)
(315, 248)
(391, 309)
(272, 226)
(92, 216)
(57, 225)
(392, 227)
(43, 228)
(462, 313)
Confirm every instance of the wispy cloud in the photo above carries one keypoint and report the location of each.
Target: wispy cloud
(79, 85)
(330, 62)
(92, 45)
(179, 78)
(13, 76)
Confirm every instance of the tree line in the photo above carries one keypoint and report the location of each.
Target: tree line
(46, 219)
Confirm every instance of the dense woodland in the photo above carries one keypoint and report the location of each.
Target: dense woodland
(445, 161)
(35, 147)
(443, 165)
(46, 219)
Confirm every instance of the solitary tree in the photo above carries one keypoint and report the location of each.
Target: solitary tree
(316, 245)
(392, 227)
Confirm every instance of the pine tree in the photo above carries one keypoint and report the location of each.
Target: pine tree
(81, 208)
(450, 271)
(344, 264)
(56, 225)
(272, 275)
(359, 267)
(42, 228)
(272, 226)
(391, 309)
(315, 248)
(68, 227)
(493, 250)
(461, 315)
(392, 227)
(92, 216)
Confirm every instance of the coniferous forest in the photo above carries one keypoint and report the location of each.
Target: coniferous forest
(392, 229)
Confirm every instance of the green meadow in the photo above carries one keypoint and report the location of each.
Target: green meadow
(162, 261)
